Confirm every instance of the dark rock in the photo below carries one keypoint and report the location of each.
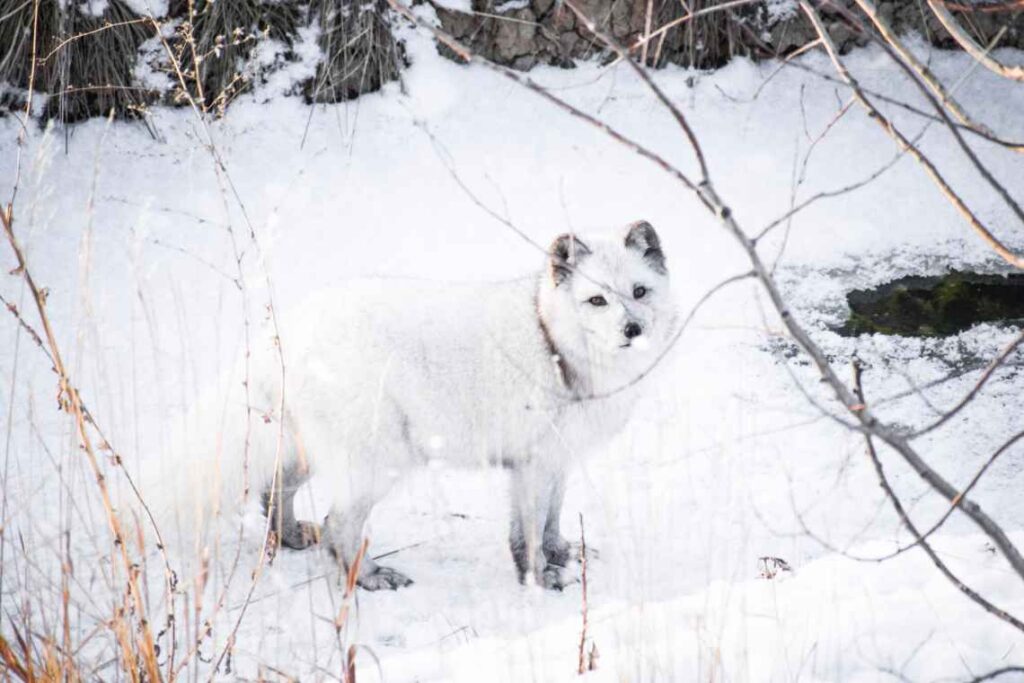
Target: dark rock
(541, 7)
(524, 63)
(787, 36)
(515, 36)
(552, 34)
(562, 19)
(568, 41)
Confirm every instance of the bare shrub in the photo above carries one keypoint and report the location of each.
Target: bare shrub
(214, 44)
(360, 52)
(83, 61)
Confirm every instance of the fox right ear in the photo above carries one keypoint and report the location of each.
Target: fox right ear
(566, 252)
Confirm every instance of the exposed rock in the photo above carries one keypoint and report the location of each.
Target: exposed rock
(541, 7)
(523, 33)
(562, 19)
(515, 36)
(524, 63)
(568, 42)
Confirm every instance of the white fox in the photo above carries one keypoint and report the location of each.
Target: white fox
(386, 375)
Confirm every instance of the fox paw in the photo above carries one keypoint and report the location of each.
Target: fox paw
(562, 552)
(383, 578)
(556, 578)
(301, 535)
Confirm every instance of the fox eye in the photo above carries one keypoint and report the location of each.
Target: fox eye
(639, 292)
(597, 300)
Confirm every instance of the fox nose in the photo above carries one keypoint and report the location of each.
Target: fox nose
(632, 330)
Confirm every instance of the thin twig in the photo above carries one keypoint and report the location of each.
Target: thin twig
(976, 51)
(642, 72)
(923, 72)
(898, 506)
(582, 668)
(996, 363)
(756, 40)
(954, 198)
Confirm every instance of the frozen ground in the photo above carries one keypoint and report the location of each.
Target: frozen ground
(726, 461)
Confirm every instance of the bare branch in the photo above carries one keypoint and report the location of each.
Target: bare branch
(972, 48)
(998, 672)
(642, 41)
(974, 480)
(646, 78)
(936, 560)
(710, 199)
(898, 442)
(1005, 252)
(922, 70)
(467, 55)
(788, 62)
(985, 376)
(13, 310)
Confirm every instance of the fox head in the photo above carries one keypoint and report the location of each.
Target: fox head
(605, 299)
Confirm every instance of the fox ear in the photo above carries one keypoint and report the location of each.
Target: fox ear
(642, 237)
(565, 252)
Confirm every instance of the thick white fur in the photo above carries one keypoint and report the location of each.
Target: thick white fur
(385, 375)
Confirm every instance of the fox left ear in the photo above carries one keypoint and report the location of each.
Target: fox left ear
(643, 238)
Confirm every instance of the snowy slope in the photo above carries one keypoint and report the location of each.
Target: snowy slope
(727, 461)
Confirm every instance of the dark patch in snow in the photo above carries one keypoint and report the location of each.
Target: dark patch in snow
(935, 306)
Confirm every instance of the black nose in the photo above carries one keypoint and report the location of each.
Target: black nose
(632, 330)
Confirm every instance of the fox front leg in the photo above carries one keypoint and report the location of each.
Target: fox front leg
(533, 491)
(557, 550)
(343, 538)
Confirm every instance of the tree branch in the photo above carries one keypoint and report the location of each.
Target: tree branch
(1015, 73)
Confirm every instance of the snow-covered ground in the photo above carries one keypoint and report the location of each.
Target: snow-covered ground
(727, 460)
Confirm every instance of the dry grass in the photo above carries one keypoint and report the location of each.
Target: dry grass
(214, 44)
(711, 38)
(360, 52)
(83, 62)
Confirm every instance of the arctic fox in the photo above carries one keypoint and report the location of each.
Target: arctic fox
(528, 374)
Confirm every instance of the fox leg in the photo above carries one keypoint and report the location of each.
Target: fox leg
(533, 491)
(279, 507)
(557, 550)
(343, 537)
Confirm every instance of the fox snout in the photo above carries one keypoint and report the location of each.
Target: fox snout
(632, 330)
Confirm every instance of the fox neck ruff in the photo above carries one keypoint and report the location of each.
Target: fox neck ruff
(566, 377)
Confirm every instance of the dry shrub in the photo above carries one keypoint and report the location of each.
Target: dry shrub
(710, 40)
(214, 43)
(84, 62)
(360, 52)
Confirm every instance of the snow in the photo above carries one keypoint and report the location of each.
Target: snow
(780, 10)
(148, 8)
(725, 462)
(511, 5)
(94, 8)
(464, 6)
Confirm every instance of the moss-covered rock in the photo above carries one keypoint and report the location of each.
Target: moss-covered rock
(935, 306)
